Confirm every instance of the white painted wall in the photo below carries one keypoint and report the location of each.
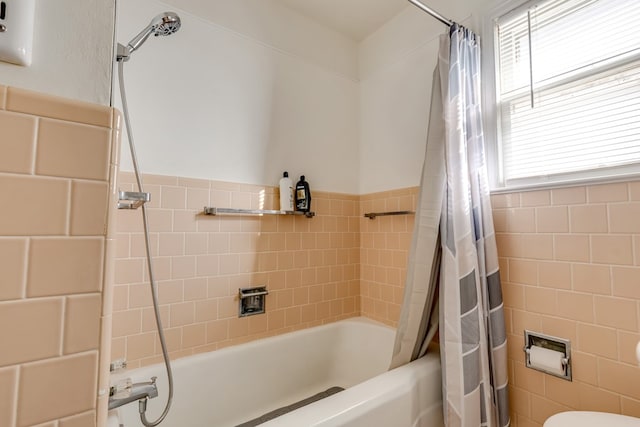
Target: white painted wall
(394, 110)
(248, 89)
(269, 23)
(72, 51)
(396, 66)
(242, 95)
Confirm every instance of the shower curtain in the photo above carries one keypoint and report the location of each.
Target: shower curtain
(453, 284)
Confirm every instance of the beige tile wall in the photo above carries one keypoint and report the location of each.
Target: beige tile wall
(310, 267)
(56, 161)
(385, 243)
(570, 264)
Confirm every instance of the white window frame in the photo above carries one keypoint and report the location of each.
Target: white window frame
(489, 44)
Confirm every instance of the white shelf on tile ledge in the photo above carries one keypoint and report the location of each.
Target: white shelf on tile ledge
(232, 211)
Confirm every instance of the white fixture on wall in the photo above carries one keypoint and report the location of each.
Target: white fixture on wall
(16, 31)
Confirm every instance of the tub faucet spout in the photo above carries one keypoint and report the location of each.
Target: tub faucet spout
(139, 391)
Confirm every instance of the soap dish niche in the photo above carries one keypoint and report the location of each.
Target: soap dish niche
(549, 354)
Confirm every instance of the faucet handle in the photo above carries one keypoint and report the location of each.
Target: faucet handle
(154, 389)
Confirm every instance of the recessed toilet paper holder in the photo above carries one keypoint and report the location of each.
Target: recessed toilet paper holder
(548, 350)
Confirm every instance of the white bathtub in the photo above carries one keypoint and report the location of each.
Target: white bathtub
(237, 384)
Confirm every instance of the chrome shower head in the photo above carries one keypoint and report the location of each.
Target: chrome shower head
(164, 24)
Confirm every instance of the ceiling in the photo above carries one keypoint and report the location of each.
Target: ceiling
(356, 19)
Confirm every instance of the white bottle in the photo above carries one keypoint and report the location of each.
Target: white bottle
(286, 193)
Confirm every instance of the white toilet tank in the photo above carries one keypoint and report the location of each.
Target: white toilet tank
(591, 419)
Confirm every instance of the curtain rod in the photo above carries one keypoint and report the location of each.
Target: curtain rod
(432, 12)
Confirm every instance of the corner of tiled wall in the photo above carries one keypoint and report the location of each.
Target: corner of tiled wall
(385, 243)
(56, 163)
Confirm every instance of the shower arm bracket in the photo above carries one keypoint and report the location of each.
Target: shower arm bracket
(122, 53)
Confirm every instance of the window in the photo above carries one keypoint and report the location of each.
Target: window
(567, 91)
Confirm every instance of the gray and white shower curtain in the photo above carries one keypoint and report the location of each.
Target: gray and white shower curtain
(453, 282)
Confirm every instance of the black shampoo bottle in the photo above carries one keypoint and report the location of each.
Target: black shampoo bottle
(303, 195)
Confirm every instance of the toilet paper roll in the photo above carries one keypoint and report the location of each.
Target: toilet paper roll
(548, 360)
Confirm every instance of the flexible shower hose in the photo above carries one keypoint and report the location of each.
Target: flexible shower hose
(152, 283)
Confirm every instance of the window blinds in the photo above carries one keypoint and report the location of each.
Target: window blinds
(583, 69)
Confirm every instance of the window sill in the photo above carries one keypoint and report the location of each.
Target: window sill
(574, 182)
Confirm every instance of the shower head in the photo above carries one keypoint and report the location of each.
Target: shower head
(164, 24)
